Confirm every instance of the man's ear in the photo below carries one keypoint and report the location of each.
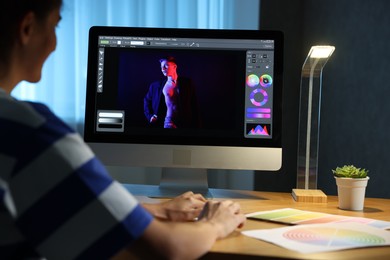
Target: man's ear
(26, 28)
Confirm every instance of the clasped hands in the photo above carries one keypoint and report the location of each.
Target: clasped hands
(191, 206)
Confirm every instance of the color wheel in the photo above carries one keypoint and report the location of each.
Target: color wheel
(337, 237)
(262, 93)
(265, 80)
(252, 80)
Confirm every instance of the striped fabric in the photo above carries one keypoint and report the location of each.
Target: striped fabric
(56, 199)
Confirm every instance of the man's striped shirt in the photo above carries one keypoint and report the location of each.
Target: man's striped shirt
(56, 199)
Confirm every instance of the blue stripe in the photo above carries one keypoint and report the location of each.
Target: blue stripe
(24, 143)
(2, 194)
(107, 246)
(95, 176)
(120, 237)
(137, 221)
(52, 119)
(3, 208)
(55, 208)
(14, 136)
(18, 251)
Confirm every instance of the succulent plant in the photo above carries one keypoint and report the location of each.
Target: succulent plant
(350, 171)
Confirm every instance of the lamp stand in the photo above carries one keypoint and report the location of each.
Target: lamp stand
(309, 125)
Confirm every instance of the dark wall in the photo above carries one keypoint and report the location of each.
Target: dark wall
(355, 112)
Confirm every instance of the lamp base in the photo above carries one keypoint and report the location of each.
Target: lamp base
(315, 196)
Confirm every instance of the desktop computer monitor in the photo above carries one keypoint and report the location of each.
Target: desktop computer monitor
(220, 107)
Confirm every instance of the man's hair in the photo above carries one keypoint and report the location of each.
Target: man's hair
(11, 14)
(169, 59)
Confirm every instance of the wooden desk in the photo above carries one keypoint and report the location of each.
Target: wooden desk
(238, 246)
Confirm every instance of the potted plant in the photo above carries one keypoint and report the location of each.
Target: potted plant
(351, 186)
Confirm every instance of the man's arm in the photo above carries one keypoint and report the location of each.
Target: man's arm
(148, 102)
(188, 240)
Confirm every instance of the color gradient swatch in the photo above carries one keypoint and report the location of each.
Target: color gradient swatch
(299, 217)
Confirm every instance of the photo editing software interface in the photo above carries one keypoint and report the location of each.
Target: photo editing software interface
(223, 90)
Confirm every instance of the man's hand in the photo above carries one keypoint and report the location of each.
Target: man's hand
(226, 216)
(185, 207)
(153, 119)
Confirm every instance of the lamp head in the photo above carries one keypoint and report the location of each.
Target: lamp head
(321, 51)
(316, 59)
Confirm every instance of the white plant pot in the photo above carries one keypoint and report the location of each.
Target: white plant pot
(351, 192)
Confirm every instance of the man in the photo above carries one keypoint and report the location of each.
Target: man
(57, 200)
(172, 102)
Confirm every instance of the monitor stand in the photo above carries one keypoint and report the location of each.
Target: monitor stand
(176, 181)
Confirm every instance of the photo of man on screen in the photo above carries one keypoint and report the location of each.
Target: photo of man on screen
(171, 103)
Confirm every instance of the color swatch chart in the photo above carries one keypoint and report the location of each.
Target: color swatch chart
(296, 216)
(315, 238)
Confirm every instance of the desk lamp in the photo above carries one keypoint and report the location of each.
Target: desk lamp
(309, 125)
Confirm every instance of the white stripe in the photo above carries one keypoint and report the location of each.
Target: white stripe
(6, 166)
(78, 233)
(19, 112)
(48, 170)
(7, 199)
(118, 201)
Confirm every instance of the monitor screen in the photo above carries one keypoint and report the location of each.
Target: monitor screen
(185, 98)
